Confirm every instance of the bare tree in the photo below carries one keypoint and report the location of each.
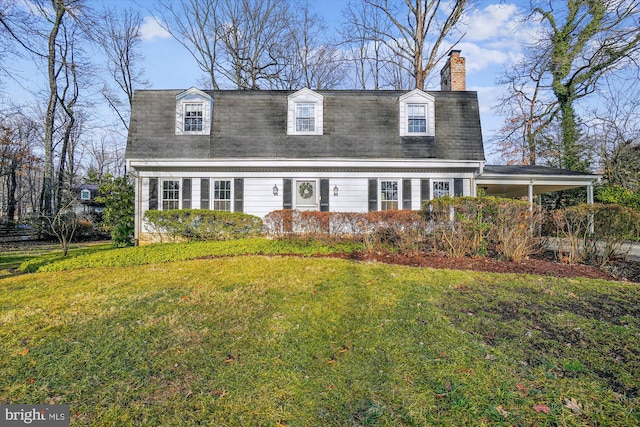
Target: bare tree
(120, 42)
(311, 60)
(253, 39)
(193, 23)
(528, 111)
(416, 32)
(363, 24)
(614, 129)
(16, 157)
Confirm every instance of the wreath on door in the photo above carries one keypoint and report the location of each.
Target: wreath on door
(306, 190)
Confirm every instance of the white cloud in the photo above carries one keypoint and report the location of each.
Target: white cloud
(494, 21)
(151, 29)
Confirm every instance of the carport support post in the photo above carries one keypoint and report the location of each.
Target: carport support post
(531, 195)
(590, 201)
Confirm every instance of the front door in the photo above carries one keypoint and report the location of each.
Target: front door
(306, 195)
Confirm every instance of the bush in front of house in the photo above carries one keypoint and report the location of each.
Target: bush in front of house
(595, 233)
(201, 225)
(471, 226)
(400, 229)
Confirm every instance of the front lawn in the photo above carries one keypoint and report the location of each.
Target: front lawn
(279, 341)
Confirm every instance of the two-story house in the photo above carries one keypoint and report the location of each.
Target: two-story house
(326, 150)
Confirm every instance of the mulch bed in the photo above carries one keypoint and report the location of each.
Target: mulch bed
(539, 265)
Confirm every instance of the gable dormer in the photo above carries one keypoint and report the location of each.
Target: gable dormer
(193, 112)
(305, 113)
(417, 114)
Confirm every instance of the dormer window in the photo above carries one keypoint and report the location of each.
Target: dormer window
(85, 195)
(193, 112)
(304, 113)
(305, 117)
(193, 117)
(417, 114)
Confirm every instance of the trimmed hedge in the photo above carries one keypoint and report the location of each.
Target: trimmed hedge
(201, 225)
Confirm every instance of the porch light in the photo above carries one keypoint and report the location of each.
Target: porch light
(275, 189)
(335, 190)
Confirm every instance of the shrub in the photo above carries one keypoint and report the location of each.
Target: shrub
(400, 229)
(618, 196)
(468, 226)
(596, 233)
(202, 224)
(118, 215)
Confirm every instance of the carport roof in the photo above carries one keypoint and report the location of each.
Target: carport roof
(514, 180)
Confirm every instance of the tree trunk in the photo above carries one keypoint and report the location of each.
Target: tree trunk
(46, 204)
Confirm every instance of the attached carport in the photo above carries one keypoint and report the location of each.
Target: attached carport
(529, 181)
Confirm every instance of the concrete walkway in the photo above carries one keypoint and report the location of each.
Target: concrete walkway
(632, 247)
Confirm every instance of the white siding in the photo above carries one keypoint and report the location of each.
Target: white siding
(258, 196)
(466, 187)
(415, 195)
(195, 193)
(353, 195)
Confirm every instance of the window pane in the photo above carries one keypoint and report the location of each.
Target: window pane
(193, 117)
(305, 118)
(388, 195)
(170, 195)
(440, 189)
(222, 195)
(416, 118)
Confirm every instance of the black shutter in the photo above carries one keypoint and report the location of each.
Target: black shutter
(286, 194)
(153, 194)
(238, 194)
(186, 193)
(425, 191)
(324, 195)
(406, 194)
(457, 187)
(204, 193)
(373, 195)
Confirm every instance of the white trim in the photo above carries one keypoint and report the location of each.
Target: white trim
(320, 163)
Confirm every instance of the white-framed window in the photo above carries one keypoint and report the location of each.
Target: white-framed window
(304, 113)
(441, 188)
(170, 194)
(416, 118)
(305, 117)
(193, 114)
(417, 114)
(85, 194)
(389, 195)
(222, 195)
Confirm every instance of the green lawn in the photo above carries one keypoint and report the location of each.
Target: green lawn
(271, 341)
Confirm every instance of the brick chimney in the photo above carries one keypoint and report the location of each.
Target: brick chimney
(453, 74)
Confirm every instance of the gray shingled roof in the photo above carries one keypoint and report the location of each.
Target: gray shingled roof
(357, 124)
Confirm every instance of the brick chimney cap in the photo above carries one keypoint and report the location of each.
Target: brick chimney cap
(453, 52)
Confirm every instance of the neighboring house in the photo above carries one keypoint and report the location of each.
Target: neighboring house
(325, 150)
(85, 202)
